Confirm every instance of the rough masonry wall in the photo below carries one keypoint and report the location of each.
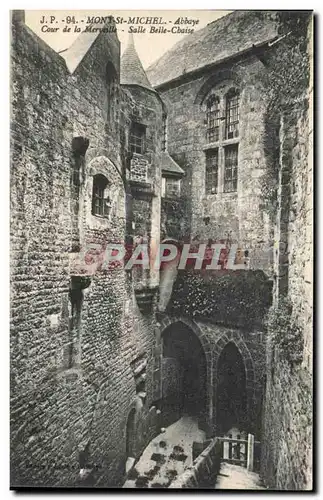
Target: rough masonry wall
(63, 406)
(40, 229)
(287, 422)
(288, 410)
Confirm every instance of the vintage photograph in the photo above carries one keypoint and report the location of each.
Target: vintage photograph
(161, 249)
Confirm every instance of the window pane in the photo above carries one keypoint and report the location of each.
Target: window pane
(213, 119)
(136, 140)
(211, 171)
(172, 187)
(232, 115)
(230, 168)
(98, 195)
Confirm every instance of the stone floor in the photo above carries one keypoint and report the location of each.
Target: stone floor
(167, 456)
(234, 477)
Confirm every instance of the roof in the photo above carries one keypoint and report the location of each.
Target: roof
(169, 165)
(131, 69)
(221, 39)
(79, 48)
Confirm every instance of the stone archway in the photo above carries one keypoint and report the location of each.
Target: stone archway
(231, 402)
(185, 373)
(216, 79)
(234, 382)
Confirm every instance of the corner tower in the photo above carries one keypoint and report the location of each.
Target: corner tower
(144, 141)
(132, 71)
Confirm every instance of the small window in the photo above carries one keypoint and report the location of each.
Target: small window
(232, 115)
(212, 171)
(137, 138)
(171, 188)
(213, 119)
(230, 168)
(164, 136)
(101, 203)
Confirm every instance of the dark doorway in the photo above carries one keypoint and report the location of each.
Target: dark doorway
(231, 391)
(184, 375)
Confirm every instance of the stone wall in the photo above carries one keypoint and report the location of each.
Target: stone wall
(237, 217)
(288, 411)
(270, 215)
(74, 330)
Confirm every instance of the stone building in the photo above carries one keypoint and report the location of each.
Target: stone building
(197, 149)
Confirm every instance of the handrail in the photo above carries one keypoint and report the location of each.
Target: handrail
(232, 440)
(234, 460)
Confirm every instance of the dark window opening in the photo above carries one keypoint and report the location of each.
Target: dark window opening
(72, 351)
(101, 203)
(111, 81)
(138, 367)
(213, 119)
(137, 138)
(211, 171)
(232, 115)
(230, 168)
(76, 176)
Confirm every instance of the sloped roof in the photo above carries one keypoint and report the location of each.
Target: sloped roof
(169, 165)
(131, 69)
(221, 39)
(79, 48)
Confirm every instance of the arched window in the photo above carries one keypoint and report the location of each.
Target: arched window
(232, 114)
(101, 203)
(213, 119)
(111, 82)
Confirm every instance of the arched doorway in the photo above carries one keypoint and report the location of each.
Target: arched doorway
(231, 404)
(183, 375)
